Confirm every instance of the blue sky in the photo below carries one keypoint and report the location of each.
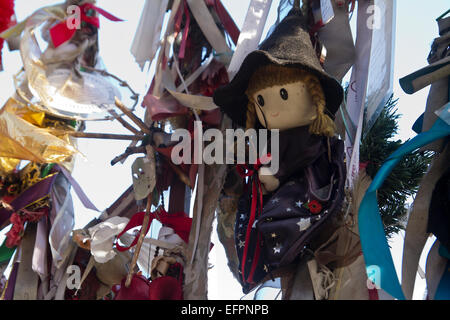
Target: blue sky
(415, 30)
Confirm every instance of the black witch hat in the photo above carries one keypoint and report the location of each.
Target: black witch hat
(289, 45)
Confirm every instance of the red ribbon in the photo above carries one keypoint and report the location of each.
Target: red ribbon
(180, 222)
(6, 20)
(222, 13)
(252, 173)
(61, 33)
(179, 17)
(18, 220)
(227, 21)
(353, 6)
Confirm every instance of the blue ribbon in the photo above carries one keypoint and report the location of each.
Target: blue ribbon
(373, 239)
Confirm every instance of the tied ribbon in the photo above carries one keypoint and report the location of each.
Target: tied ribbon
(373, 240)
(224, 17)
(18, 220)
(256, 209)
(180, 222)
(227, 21)
(40, 190)
(37, 191)
(179, 17)
(61, 33)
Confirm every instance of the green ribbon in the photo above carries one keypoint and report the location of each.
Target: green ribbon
(373, 239)
(6, 253)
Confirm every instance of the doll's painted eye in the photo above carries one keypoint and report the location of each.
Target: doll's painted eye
(260, 100)
(284, 94)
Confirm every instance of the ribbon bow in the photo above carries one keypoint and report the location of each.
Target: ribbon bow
(62, 32)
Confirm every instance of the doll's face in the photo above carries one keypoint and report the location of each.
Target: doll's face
(285, 107)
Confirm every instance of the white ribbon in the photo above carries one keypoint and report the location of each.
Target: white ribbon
(39, 260)
(208, 25)
(357, 91)
(146, 40)
(167, 240)
(102, 238)
(251, 33)
(62, 225)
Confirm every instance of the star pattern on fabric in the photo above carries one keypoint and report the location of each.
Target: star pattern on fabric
(254, 224)
(242, 216)
(275, 200)
(266, 269)
(277, 248)
(299, 204)
(241, 225)
(273, 235)
(288, 209)
(304, 224)
(241, 244)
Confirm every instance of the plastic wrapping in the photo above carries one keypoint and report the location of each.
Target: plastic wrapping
(62, 220)
(20, 139)
(7, 165)
(59, 89)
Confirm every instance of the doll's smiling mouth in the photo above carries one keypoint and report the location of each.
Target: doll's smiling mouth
(274, 115)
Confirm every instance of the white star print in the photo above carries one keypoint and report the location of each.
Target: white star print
(275, 200)
(277, 248)
(299, 204)
(254, 224)
(288, 209)
(241, 244)
(242, 216)
(304, 224)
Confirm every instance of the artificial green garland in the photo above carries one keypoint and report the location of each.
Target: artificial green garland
(404, 180)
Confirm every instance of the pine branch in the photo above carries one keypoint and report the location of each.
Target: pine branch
(404, 179)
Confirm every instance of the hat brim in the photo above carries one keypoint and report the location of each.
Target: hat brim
(233, 101)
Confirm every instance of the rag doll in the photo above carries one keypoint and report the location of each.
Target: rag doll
(281, 214)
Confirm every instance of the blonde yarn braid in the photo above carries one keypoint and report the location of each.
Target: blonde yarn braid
(323, 124)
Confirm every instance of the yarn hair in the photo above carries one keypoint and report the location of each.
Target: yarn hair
(271, 75)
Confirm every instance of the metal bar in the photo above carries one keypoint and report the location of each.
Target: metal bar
(90, 135)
